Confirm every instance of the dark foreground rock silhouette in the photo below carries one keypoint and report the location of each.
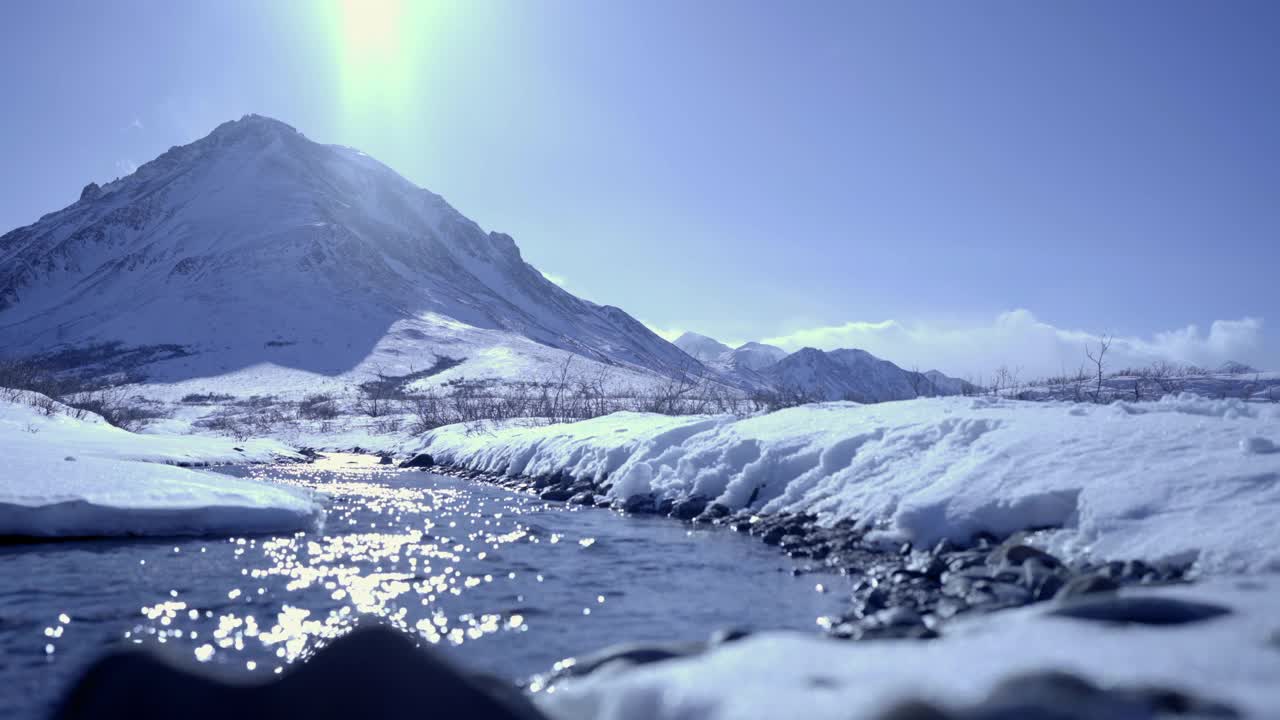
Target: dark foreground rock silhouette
(370, 673)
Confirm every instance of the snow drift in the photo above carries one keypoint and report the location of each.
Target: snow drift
(64, 476)
(794, 675)
(1185, 479)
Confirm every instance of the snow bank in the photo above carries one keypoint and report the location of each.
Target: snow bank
(1180, 479)
(64, 476)
(784, 675)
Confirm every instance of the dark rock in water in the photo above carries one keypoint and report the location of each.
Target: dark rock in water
(1082, 585)
(665, 506)
(1017, 554)
(370, 673)
(774, 535)
(583, 498)
(690, 507)
(421, 460)
(1139, 610)
(714, 511)
(792, 542)
(638, 504)
(385, 460)
(556, 494)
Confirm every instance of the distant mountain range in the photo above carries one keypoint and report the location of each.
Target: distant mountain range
(845, 374)
(276, 264)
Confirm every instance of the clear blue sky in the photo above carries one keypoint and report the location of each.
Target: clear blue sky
(746, 169)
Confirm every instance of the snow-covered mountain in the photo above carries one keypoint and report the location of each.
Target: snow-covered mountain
(257, 247)
(752, 356)
(822, 375)
(854, 375)
(946, 385)
(702, 348)
(755, 356)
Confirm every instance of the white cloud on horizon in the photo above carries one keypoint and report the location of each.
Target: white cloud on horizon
(1018, 339)
(557, 279)
(668, 334)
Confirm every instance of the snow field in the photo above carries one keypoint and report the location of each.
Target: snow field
(64, 476)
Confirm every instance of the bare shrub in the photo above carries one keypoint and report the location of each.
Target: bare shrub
(226, 424)
(318, 406)
(428, 411)
(43, 404)
(201, 398)
(780, 399)
(1098, 358)
(116, 408)
(376, 397)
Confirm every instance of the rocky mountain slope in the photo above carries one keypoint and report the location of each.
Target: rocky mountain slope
(257, 247)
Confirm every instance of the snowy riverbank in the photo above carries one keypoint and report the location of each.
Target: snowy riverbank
(1184, 479)
(1231, 659)
(79, 476)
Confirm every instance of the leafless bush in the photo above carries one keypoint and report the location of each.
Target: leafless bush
(780, 399)
(116, 407)
(1098, 358)
(193, 398)
(20, 376)
(428, 411)
(43, 404)
(257, 401)
(376, 397)
(318, 406)
(1005, 381)
(227, 424)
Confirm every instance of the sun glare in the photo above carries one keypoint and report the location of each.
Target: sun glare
(370, 29)
(378, 50)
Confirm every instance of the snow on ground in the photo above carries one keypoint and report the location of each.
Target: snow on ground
(409, 346)
(1181, 479)
(1232, 658)
(64, 476)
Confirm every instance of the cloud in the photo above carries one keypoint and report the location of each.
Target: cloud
(136, 124)
(126, 166)
(668, 334)
(557, 279)
(1018, 339)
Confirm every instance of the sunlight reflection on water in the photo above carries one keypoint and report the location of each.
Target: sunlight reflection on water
(501, 581)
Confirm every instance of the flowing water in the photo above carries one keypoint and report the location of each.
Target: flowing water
(503, 582)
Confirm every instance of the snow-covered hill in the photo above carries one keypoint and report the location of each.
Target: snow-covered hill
(256, 250)
(854, 375)
(702, 348)
(755, 356)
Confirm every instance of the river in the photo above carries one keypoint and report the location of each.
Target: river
(504, 582)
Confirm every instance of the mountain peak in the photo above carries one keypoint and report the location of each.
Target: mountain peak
(199, 246)
(701, 347)
(254, 122)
